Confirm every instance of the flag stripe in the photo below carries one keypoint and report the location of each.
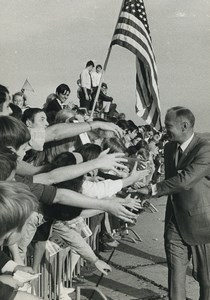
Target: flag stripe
(151, 86)
(132, 32)
(140, 42)
(136, 21)
(136, 24)
(134, 47)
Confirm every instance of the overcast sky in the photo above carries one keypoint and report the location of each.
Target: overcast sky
(50, 41)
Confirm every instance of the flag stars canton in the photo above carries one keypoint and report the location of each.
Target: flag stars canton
(136, 8)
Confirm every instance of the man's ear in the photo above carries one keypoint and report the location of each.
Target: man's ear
(28, 123)
(185, 125)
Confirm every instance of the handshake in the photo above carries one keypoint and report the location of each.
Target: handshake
(146, 193)
(145, 190)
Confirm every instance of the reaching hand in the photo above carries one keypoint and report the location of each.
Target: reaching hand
(144, 190)
(133, 203)
(116, 207)
(110, 126)
(137, 175)
(111, 161)
(103, 267)
(138, 185)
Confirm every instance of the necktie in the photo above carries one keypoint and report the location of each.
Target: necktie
(179, 154)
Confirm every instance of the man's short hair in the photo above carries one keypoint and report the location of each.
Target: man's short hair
(99, 66)
(8, 162)
(3, 96)
(16, 205)
(13, 132)
(90, 63)
(148, 127)
(62, 88)
(181, 111)
(30, 113)
(104, 85)
(3, 92)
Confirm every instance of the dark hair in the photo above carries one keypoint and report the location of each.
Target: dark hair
(181, 111)
(123, 124)
(104, 85)
(131, 126)
(139, 135)
(62, 160)
(148, 128)
(89, 151)
(30, 113)
(62, 88)
(142, 144)
(90, 63)
(99, 66)
(13, 132)
(131, 150)
(3, 92)
(16, 111)
(8, 162)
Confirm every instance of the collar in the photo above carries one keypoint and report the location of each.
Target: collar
(184, 145)
(59, 101)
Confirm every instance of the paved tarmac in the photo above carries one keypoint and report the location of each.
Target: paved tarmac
(139, 270)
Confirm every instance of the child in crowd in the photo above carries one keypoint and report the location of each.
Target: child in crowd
(16, 205)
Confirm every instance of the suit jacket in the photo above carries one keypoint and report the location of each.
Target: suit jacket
(188, 187)
(53, 106)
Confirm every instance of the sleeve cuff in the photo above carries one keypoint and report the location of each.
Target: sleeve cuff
(154, 189)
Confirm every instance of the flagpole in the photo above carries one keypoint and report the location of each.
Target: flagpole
(104, 69)
(100, 82)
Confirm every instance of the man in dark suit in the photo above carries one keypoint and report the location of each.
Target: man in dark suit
(187, 222)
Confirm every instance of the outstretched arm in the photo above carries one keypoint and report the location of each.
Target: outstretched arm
(105, 162)
(66, 130)
(116, 206)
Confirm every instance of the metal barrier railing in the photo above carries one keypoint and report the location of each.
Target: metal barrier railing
(55, 271)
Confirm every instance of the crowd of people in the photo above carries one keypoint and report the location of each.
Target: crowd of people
(69, 168)
(60, 166)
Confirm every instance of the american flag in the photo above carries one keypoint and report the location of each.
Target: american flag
(132, 32)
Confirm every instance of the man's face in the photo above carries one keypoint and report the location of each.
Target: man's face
(40, 121)
(98, 70)
(173, 127)
(6, 110)
(18, 100)
(149, 134)
(156, 137)
(63, 96)
(90, 68)
(104, 90)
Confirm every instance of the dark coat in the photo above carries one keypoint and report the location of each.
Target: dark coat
(188, 187)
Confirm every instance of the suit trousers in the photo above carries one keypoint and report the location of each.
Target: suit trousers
(178, 254)
(85, 103)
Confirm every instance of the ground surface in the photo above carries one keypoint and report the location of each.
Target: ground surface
(139, 270)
